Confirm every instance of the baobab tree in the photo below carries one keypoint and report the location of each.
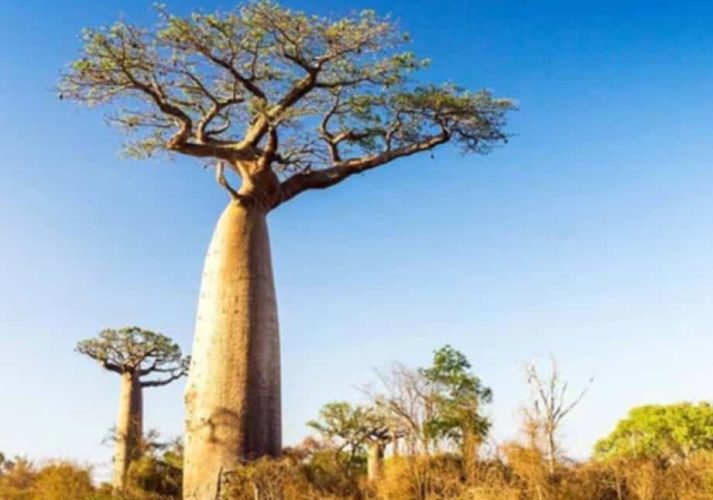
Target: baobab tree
(380, 435)
(143, 359)
(355, 432)
(288, 103)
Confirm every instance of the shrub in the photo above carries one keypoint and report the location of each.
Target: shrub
(267, 479)
(64, 480)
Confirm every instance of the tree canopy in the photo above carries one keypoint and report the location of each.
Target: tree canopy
(310, 99)
(133, 349)
(663, 432)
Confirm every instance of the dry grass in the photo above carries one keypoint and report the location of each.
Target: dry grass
(521, 474)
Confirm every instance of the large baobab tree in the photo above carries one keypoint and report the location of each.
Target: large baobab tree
(288, 103)
(143, 359)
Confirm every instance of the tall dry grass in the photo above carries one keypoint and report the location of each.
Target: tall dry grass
(518, 473)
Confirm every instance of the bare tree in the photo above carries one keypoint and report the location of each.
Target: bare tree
(289, 103)
(406, 400)
(143, 359)
(549, 406)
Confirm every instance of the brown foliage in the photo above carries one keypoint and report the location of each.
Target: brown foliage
(308, 473)
(21, 480)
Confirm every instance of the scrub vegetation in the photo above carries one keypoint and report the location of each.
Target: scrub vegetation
(423, 433)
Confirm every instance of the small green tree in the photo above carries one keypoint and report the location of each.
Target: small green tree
(143, 359)
(159, 471)
(347, 428)
(358, 432)
(458, 396)
(665, 433)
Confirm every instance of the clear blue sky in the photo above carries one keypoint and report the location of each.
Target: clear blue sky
(588, 236)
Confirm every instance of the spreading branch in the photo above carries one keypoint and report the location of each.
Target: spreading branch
(314, 100)
(141, 353)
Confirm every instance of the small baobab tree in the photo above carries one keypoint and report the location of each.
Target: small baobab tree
(380, 435)
(343, 427)
(355, 432)
(143, 359)
(289, 103)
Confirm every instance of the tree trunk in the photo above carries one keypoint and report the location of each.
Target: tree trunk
(395, 449)
(233, 392)
(469, 455)
(552, 451)
(375, 461)
(129, 427)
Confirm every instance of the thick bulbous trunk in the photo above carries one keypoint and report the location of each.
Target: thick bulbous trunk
(129, 427)
(374, 461)
(233, 392)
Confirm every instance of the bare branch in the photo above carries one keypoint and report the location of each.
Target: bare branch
(134, 350)
(307, 100)
(162, 382)
(220, 177)
(321, 179)
(107, 365)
